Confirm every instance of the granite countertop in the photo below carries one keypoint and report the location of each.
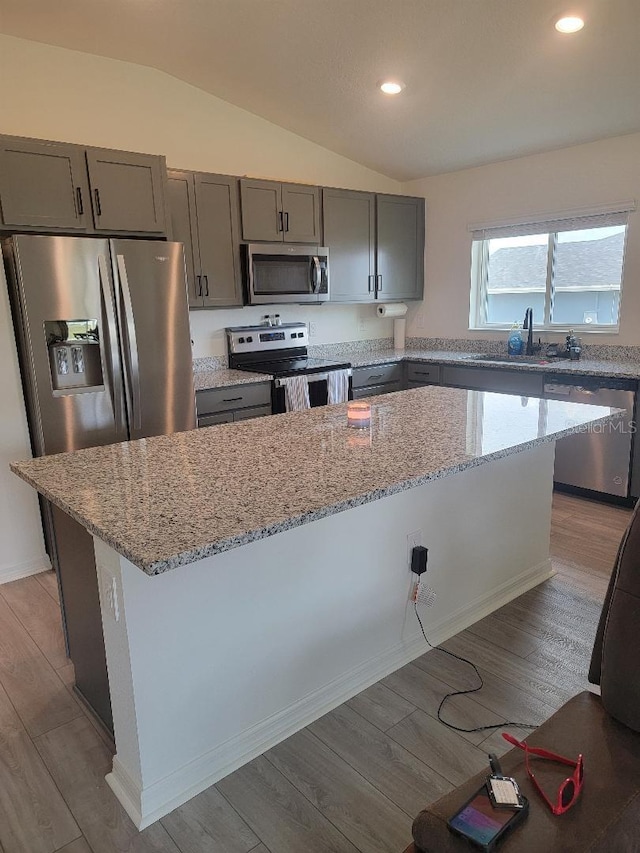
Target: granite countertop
(205, 380)
(168, 501)
(582, 367)
(219, 377)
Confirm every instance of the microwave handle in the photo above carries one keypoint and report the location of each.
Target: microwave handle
(316, 274)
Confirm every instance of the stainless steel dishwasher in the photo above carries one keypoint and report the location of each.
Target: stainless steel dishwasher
(599, 459)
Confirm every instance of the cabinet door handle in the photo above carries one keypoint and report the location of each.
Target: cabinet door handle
(206, 284)
(379, 283)
(370, 282)
(286, 221)
(280, 221)
(199, 282)
(232, 400)
(79, 198)
(96, 195)
(374, 377)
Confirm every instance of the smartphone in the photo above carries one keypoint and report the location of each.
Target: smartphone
(483, 825)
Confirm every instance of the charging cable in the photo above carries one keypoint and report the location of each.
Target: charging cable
(419, 556)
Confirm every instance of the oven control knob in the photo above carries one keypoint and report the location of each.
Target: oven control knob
(249, 340)
(240, 340)
(293, 334)
(301, 334)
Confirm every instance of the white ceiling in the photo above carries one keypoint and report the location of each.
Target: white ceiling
(486, 79)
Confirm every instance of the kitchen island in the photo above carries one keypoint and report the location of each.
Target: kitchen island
(253, 576)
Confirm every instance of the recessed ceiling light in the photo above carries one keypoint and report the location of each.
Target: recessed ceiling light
(570, 24)
(391, 87)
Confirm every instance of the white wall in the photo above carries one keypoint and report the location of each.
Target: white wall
(54, 93)
(21, 543)
(579, 177)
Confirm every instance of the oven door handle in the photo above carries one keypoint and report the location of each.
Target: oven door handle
(312, 377)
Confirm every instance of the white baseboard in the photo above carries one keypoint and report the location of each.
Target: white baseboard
(147, 805)
(15, 571)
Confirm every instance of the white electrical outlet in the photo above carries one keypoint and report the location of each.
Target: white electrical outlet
(413, 539)
(111, 596)
(313, 330)
(362, 325)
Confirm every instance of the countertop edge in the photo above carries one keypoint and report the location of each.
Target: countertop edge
(183, 558)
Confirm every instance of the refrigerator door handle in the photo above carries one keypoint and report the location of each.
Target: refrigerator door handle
(110, 342)
(131, 357)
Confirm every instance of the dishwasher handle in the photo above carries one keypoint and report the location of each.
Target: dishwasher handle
(553, 389)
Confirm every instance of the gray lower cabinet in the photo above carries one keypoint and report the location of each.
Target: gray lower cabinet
(58, 186)
(377, 379)
(233, 403)
(43, 185)
(205, 217)
(127, 191)
(277, 213)
(487, 379)
(376, 246)
(418, 373)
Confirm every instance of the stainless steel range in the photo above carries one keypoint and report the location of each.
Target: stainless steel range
(282, 352)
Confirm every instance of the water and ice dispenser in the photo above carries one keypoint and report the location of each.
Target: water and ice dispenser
(74, 355)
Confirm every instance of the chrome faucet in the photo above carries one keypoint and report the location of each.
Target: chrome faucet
(528, 324)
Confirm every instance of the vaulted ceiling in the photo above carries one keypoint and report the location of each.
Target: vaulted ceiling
(486, 80)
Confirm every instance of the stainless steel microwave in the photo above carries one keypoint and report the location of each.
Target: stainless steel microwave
(280, 273)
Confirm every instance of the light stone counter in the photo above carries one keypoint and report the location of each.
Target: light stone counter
(582, 367)
(172, 500)
(221, 377)
(214, 664)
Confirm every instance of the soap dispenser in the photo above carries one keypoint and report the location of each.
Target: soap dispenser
(515, 343)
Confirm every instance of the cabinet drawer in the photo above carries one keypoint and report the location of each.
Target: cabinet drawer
(254, 412)
(233, 397)
(377, 375)
(423, 374)
(483, 379)
(212, 420)
(375, 390)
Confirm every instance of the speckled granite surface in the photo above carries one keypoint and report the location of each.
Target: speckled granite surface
(207, 379)
(621, 362)
(168, 501)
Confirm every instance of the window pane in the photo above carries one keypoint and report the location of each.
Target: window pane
(587, 276)
(516, 277)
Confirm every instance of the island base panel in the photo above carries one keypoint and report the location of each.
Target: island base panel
(215, 662)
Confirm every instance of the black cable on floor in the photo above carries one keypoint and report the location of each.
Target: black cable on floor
(465, 692)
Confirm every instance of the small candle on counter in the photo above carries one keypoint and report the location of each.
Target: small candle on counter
(359, 415)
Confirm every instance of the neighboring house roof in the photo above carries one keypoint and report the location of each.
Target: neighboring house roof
(592, 265)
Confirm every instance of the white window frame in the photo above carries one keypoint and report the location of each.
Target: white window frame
(550, 224)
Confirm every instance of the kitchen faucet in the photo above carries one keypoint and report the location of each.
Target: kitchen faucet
(528, 324)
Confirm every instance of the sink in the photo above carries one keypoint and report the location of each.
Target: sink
(516, 359)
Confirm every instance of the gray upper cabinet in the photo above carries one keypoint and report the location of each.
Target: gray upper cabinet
(43, 185)
(400, 247)
(218, 229)
(127, 191)
(57, 186)
(349, 232)
(274, 212)
(182, 212)
(376, 246)
(205, 217)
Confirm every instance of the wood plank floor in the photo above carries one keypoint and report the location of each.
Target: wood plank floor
(349, 783)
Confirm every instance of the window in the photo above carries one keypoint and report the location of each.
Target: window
(569, 270)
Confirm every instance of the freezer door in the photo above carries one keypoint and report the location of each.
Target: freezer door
(66, 328)
(153, 317)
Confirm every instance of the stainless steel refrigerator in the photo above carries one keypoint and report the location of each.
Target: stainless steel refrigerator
(103, 336)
